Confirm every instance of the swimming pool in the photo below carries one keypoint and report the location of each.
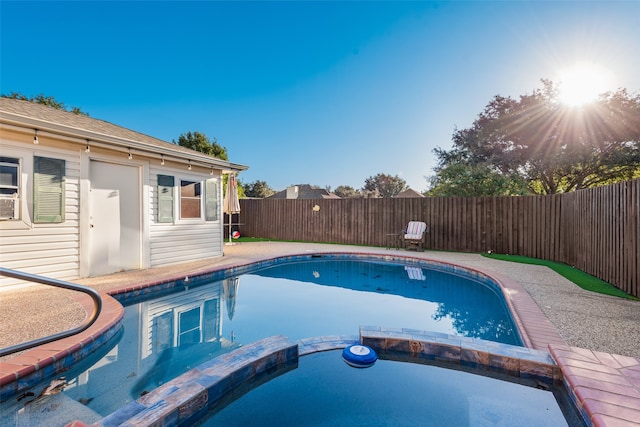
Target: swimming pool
(323, 390)
(335, 296)
(179, 328)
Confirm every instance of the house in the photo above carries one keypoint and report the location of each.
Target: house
(303, 191)
(408, 193)
(82, 197)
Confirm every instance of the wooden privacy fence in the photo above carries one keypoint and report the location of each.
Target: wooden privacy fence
(595, 230)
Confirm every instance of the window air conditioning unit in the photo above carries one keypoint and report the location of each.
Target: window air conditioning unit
(8, 208)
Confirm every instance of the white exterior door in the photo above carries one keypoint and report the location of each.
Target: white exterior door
(115, 222)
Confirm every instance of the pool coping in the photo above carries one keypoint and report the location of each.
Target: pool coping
(605, 387)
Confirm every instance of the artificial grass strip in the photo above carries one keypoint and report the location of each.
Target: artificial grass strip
(244, 239)
(579, 277)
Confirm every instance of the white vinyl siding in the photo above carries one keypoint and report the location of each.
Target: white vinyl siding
(53, 249)
(49, 249)
(182, 241)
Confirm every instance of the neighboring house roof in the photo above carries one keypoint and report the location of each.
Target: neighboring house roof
(409, 192)
(306, 191)
(60, 122)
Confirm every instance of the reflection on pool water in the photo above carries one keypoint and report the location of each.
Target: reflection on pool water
(368, 293)
(324, 390)
(172, 333)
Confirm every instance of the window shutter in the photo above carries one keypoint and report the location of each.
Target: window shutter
(165, 198)
(48, 190)
(211, 200)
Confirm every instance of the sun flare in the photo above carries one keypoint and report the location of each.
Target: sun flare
(583, 82)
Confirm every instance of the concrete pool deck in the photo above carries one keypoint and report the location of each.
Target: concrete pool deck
(594, 339)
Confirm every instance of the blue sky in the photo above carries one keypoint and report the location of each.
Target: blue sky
(323, 93)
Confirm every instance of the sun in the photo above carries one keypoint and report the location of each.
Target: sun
(582, 83)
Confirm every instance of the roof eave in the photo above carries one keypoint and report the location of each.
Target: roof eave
(96, 137)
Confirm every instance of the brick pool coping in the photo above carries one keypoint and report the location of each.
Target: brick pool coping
(604, 387)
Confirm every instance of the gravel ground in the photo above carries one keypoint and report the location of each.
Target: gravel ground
(584, 319)
(589, 320)
(36, 311)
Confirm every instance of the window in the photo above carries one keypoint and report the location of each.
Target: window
(48, 190)
(9, 188)
(189, 327)
(165, 198)
(196, 199)
(190, 199)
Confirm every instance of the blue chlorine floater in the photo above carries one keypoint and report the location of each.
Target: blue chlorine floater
(359, 356)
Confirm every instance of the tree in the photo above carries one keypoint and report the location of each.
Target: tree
(199, 142)
(385, 185)
(347, 192)
(466, 180)
(49, 101)
(549, 145)
(258, 189)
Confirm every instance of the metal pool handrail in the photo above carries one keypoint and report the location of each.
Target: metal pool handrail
(95, 296)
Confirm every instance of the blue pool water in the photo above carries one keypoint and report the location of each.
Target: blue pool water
(323, 390)
(174, 332)
(354, 293)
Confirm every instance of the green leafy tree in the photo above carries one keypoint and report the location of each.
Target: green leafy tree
(347, 192)
(551, 146)
(49, 101)
(474, 180)
(259, 189)
(199, 142)
(384, 185)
